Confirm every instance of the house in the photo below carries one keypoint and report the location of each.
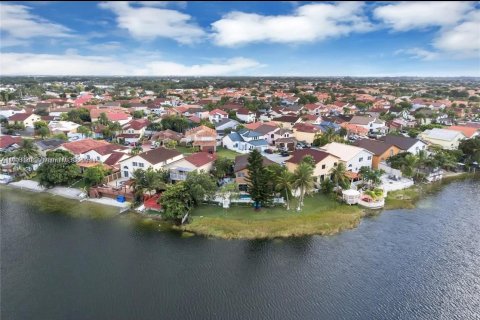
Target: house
(353, 129)
(246, 115)
(225, 124)
(406, 144)
(370, 123)
(199, 161)
(156, 159)
(241, 172)
(380, 149)
(65, 127)
(316, 109)
(468, 132)
(245, 141)
(324, 163)
(286, 122)
(284, 139)
(103, 152)
(26, 119)
(7, 112)
(203, 137)
(79, 148)
(447, 139)
(9, 143)
(46, 145)
(133, 131)
(217, 115)
(114, 115)
(305, 132)
(353, 157)
(266, 130)
(166, 135)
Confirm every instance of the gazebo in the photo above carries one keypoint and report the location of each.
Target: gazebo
(350, 196)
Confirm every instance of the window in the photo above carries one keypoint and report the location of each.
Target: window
(134, 164)
(88, 156)
(334, 164)
(360, 160)
(350, 165)
(272, 135)
(241, 174)
(391, 152)
(141, 165)
(323, 167)
(369, 158)
(98, 158)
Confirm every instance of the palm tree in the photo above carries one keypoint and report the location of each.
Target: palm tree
(410, 165)
(303, 180)
(27, 149)
(338, 175)
(284, 184)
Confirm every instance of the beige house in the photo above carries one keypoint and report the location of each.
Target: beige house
(324, 163)
(447, 139)
(156, 159)
(27, 119)
(305, 132)
(200, 161)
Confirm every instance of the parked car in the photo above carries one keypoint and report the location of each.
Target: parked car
(284, 153)
(269, 151)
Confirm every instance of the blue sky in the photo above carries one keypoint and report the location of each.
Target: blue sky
(286, 38)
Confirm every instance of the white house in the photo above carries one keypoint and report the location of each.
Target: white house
(244, 141)
(353, 157)
(223, 125)
(217, 115)
(246, 115)
(370, 123)
(63, 127)
(156, 159)
(8, 112)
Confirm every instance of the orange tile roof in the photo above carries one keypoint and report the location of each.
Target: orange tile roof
(467, 131)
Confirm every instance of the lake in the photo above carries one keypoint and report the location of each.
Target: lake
(400, 264)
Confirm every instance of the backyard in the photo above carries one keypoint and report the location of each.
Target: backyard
(320, 215)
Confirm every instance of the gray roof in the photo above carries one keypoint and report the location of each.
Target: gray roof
(403, 143)
(441, 134)
(234, 136)
(249, 133)
(225, 121)
(361, 120)
(258, 143)
(49, 144)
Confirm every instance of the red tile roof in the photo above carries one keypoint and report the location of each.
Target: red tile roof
(82, 146)
(7, 141)
(201, 158)
(306, 127)
(19, 117)
(467, 131)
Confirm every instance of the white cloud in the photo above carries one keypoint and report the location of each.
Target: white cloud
(403, 16)
(20, 24)
(74, 64)
(463, 40)
(419, 53)
(148, 23)
(162, 4)
(308, 23)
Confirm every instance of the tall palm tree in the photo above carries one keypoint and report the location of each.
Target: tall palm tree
(303, 180)
(338, 175)
(283, 183)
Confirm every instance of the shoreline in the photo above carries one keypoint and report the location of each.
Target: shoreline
(330, 220)
(65, 192)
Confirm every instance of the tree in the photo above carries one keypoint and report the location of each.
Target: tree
(138, 114)
(284, 184)
(94, 175)
(200, 186)
(170, 144)
(60, 136)
(229, 191)
(257, 180)
(371, 176)
(176, 201)
(84, 131)
(303, 181)
(338, 175)
(43, 132)
(59, 169)
(103, 119)
(222, 167)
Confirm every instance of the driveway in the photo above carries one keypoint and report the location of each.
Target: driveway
(275, 157)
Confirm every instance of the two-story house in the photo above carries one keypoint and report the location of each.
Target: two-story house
(324, 163)
(246, 115)
(133, 131)
(241, 172)
(245, 141)
(26, 119)
(217, 115)
(381, 150)
(353, 157)
(406, 144)
(156, 159)
(202, 137)
(370, 123)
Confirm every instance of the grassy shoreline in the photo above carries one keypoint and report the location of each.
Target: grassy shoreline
(321, 215)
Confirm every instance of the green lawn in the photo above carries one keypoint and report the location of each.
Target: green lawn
(184, 150)
(225, 153)
(320, 215)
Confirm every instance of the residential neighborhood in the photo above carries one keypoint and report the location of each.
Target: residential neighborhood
(181, 128)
